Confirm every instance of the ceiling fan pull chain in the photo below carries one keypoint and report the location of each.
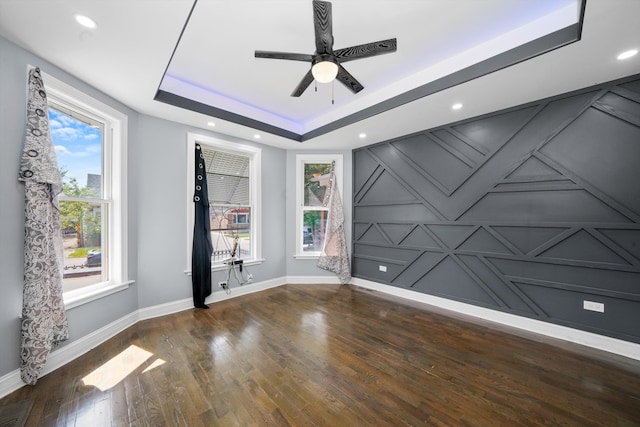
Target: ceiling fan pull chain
(332, 86)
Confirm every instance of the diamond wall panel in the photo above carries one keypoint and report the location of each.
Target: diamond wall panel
(529, 211)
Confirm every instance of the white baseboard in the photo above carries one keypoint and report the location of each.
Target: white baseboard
(237, 291)
(63, 355)
(164, 309)
(11, 381)
(589, 339)
(313, 280)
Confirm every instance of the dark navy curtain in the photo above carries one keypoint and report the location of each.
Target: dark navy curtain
(202, 247)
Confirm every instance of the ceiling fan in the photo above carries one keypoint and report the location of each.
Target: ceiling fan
(326, 63)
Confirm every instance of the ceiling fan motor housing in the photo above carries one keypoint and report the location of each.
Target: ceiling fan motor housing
(325, 66)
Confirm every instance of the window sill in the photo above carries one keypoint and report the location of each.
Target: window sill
(221, 267)
(91, 293)
(309, 256)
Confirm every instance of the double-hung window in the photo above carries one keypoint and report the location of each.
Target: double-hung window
(234, 198)
(89, 139)
(312, 186)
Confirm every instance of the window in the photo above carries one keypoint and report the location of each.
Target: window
(241, 218)
(312, 180)
(79, 141)
(89, 139)
(234, 198)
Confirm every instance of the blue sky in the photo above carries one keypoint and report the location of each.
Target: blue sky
(78, 146)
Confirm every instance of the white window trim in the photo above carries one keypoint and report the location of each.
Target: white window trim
(255, 193)
(116, 129)
(301, 159)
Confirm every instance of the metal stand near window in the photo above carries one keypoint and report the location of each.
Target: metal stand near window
(236, 266)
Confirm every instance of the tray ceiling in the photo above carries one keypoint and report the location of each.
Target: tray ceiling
(193, 62)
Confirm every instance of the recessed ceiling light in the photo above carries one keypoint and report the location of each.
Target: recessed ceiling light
(256, 136)
(628, 54)
(456, 106)
(85, 21)
(362, 135)
(212, 124)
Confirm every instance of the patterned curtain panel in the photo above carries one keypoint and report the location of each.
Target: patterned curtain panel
(334, 256)
(202, 246)
(44, 321)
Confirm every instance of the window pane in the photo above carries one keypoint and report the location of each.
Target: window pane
(78, 143)
(230, 232)
(82, 229)
(227, 177)
(228, 182)
(313, 227)
(316, 180)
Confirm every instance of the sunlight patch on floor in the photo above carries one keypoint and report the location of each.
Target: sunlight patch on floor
(118, 367)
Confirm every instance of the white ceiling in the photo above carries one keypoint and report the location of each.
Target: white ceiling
(127, 56)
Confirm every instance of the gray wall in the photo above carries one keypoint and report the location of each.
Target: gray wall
(308, 267)
(89, 317)
(529, 211)
(157, 161)
(159, 178)
(499, 211)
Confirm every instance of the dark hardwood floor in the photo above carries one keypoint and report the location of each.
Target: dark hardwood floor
(330, 355)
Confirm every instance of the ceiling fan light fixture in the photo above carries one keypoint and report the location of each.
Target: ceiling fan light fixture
(324, 71)
(326, 64)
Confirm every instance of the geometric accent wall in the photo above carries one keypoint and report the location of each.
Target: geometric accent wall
(530, 211)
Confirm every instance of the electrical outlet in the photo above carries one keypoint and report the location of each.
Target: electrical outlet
(382, 268)
(223, 285)
(593, 306)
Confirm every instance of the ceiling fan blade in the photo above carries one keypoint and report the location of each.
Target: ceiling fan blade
(323, 27)
(366, 50)
(303, 85)
(284, 55)
(348, 80)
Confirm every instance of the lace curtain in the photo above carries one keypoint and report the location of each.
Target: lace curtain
(44, 321)
(334, 256)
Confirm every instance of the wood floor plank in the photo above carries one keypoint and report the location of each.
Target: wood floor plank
(332, 355)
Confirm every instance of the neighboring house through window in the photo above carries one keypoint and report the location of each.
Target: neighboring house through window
(312, 185)
(89, 138)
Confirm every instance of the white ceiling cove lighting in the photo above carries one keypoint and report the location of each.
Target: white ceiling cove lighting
(85, 21)
(628, 54)
(259, 92)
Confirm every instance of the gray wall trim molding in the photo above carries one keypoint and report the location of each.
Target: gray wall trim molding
(531, 210)
(611, 345)
(199, 107)
(506, 59)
